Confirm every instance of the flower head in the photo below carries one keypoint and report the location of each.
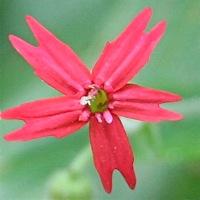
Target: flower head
(97, 98)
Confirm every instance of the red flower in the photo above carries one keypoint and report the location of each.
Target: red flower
(97, 97)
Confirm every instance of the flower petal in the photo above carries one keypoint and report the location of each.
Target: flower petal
(142, 103)
(57, 125)
(43, 108)
(53, 61)
(123, 58)
(111, 150)
(49, 117)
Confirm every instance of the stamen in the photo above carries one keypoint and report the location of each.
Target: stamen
(107, 116)
(86, 100)
(94, 86)
(98, 117)
(84, 115)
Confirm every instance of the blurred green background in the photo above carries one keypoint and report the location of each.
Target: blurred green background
(167, 154)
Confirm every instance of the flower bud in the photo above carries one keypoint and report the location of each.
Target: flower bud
(69, 185)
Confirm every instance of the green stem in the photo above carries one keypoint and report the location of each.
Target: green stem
(81, 160)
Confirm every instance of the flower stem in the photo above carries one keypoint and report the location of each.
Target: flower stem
(81, 160)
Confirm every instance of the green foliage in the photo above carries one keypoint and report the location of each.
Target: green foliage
(167, 154)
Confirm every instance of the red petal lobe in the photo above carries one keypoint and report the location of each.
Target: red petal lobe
(43, 108)
(59, 126)
(49, 117)
(111, 150)
(116, 51)
(53, 61)
(142, 103)
(122, 59)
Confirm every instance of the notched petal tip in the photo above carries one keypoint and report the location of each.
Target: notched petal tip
(3, 116)
(177, 97)
(13, 39)
(31, 21)
(179, 116)
(21, 46)
(147, 10)
(162, 26)
(168, 96)
(157, 32)
(10, 37)
(174, 116)
(8, 138)
(7, 114)
(170, 115)
(28, 18)
(174, 98)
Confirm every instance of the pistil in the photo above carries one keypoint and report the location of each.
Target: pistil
(97, 100)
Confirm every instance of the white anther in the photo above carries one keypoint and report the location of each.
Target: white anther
(84, 115)
(86, 100)
(92, 86)
(83, 100)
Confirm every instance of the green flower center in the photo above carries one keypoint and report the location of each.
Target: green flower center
(99, 102)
